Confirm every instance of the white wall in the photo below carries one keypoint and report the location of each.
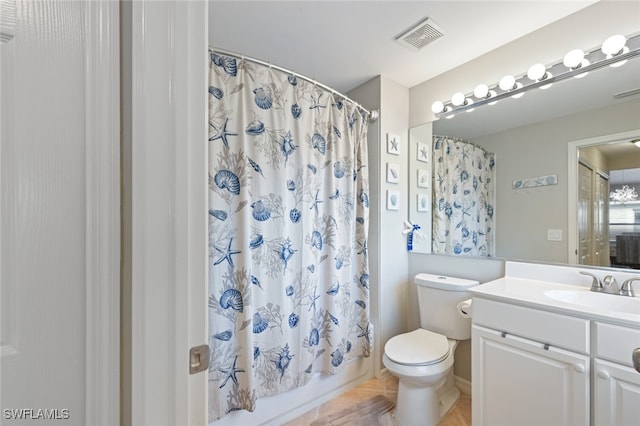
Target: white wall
(388, 254)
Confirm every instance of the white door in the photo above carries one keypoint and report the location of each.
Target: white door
(519, 382)
(59, 223)
(617, 395)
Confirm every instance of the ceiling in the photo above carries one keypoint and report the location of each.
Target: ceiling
(343, 44)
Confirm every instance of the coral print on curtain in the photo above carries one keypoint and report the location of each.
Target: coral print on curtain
(464, 188)
(288, 224)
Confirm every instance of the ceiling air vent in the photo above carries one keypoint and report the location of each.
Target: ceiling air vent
(420, 35)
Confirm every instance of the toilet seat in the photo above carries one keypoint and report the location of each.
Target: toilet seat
(418, 347)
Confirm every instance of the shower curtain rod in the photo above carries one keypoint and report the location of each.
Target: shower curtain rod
(373, 114)
(457, 139)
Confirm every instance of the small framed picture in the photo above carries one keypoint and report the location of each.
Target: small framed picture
(423, 202)
(393, 200)
(423, 152)
(423, 178)
(393, 144)
(393, 173)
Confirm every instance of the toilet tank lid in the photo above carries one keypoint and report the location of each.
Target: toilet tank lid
(444, 283)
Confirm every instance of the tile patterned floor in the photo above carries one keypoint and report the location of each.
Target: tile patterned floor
(460, 414)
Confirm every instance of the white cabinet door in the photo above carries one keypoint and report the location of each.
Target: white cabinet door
(617, 395)
(519, 381)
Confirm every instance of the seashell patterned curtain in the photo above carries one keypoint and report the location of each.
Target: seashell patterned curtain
(288, 225)
(464, 195)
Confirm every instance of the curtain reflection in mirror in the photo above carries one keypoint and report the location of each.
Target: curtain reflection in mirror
(464, 195)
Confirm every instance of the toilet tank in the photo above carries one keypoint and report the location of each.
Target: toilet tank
(438, 298)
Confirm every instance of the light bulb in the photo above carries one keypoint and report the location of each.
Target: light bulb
(536, 72)
(573, 58)
(613, 44)
(481, 91)
(457, 99)
(437, 107)
(507, 82)
(583, 63)
(636, 143)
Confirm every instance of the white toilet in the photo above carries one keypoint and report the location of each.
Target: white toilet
(423, 359)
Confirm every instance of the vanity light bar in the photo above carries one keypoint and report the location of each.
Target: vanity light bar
(596, 59)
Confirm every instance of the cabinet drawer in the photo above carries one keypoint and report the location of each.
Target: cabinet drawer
(546, 327)
(616, 343)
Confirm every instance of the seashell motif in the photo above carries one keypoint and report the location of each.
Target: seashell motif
(339, 169)
(293, 80)
(339, 261)
(312, 168)
(226, 179)
(348, 346)
(255, 166)
(286, 252)
(255, 281)
(336, 358)
(337, 132)
(260, 211)
(255, 128)
(296, 111)
(293, 320)
(338, 105)
(287, 146)
(259, 324)
(262, 98)
(218, 214)
(229, 65)
(352, 120)
(291, 185)
(232, 298)
(311, 268)
(364, 280)
(225, 336)
(316, 240)
(314, 337)
(361, 304)
(217, 93)
(333, 290)
(334, 319)
(256, 352)
(464, 175)
(294, 215)
(335, 194)
(289, 290)
(360, 220)
(318, 142)
(256, 241)
(364, 198)
(284, 358)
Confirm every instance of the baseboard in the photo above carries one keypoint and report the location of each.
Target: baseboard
(462, 384)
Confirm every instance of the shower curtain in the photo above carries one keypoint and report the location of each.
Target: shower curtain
(464, 190)
(288, 225)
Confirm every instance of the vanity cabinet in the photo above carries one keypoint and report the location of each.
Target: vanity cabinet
(616, 383)
(521, 373)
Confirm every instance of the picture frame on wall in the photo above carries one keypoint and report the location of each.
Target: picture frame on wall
(423, 152)
(393, 200)
(423, 178)
(393, 172)
(423, 202)
(393, 144)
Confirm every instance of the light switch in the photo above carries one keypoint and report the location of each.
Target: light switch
(554, 234)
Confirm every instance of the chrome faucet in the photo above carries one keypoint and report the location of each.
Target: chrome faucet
(626, 289)
(596, 285)
(610, 285)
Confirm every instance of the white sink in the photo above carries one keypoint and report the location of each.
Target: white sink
(608, 302)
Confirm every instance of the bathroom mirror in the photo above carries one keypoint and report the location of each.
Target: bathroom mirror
(530, 137)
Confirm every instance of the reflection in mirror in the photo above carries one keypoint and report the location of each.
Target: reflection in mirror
(529, 137)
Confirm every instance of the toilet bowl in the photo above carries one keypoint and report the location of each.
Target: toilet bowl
(423, 368)
(422, 359)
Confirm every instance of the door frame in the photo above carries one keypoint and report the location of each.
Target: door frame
(102, 216)
(572, 184)
(169, 210)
